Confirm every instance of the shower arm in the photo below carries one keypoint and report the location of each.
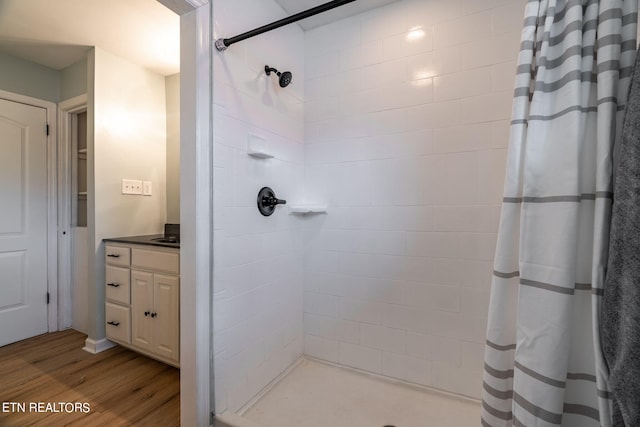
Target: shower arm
(222, 44)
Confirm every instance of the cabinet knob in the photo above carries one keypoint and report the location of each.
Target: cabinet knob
(146, 313)
(113, 255)
(114, 323)
(154, 314)
(115, 285)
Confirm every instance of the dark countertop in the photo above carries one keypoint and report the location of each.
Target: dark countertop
(144, 240)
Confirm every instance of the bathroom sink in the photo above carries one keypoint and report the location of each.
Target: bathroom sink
(170, 239)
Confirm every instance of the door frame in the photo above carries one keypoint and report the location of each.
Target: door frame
(52, 202)
(196, 211)
(66, 109)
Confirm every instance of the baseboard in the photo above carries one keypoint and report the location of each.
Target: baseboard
(95, 347)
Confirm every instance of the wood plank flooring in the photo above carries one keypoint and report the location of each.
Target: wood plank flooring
(123, 388)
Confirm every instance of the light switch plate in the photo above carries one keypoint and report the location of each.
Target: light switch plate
(146, 188)
(131, 186)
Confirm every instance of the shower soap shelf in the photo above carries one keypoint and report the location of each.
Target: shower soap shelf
(307, 209)
(260, 155)
(257, 147)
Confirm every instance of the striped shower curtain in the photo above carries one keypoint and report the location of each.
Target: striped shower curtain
(543, 362)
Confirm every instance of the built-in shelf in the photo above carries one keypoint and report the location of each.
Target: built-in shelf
(257, 147)
(307, 209)
(260, 155)
(82, 151)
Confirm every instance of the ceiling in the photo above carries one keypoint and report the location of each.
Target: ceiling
(58, 33)
(349, 9)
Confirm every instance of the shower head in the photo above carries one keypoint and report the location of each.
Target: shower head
(284, 77)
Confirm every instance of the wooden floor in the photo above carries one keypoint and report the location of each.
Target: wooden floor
(123, 388)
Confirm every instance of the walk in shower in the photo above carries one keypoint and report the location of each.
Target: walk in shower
(391, 142)
(388, 142)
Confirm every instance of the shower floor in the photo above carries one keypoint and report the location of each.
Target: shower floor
(316, 394)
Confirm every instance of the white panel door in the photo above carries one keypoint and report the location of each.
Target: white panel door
(23, 221)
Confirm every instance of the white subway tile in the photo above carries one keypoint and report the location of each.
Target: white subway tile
(379, 75)
(435, 115)
(445, 350)
(503, 76)
(360, 56)
(357, 356)
(433, 244)
(431, 64)
(327, 305)
(482, 219)
(457, 326)
(500, 133)
(406, 368)
(460, 182)
(462, 30)
(507, 18)
(479, 246)
(476, 274)
(419, 40)
(386, 122)
(445, 298)
(472, 355)
(475, 303)
(424, 14)
(492, 50)
(324, 39)
(321, 348)
(361, 311)
(462, 84)
(463, 138)
(331, 328)
(465, 381)
(475, 6)
(384, 21)
(383, 338)
(487, 108)
(491, 171)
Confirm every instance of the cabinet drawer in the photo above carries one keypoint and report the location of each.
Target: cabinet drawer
(118, 284)
(118, 321)
(117, 255)
(161, 261)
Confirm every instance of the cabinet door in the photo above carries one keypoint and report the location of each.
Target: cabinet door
(166, 324)
(141, 309)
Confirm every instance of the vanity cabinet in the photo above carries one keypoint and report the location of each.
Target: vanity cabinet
(143, 299)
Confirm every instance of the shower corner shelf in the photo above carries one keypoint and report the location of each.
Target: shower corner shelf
(260, 155)
(303, 209)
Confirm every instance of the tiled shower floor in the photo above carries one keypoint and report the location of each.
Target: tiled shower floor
(315, 394)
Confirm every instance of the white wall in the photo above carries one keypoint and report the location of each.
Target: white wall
(258, 262)
(73, 80)
(127, 139)
(405, 140)
(172, 89)
(28, 78)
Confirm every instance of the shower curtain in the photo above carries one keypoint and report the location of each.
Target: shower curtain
(543, 359)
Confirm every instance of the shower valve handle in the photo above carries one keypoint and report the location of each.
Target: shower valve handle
(273, 201)
(267, 201)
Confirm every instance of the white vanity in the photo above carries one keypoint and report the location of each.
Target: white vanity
(142, 290)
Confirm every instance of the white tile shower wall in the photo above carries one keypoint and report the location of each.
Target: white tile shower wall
(258, 262)
(406, 120)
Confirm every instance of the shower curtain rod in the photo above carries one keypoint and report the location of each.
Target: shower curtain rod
(223, 44)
